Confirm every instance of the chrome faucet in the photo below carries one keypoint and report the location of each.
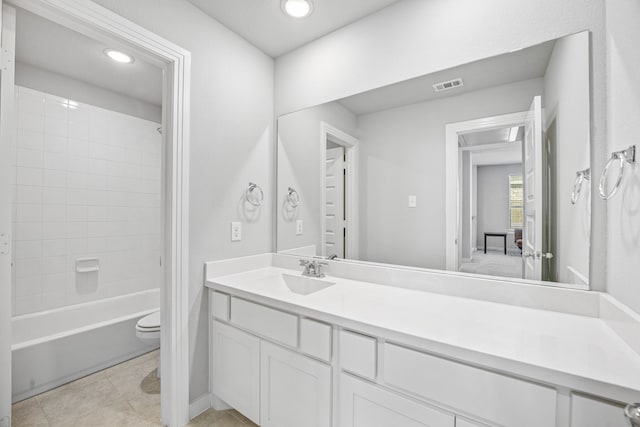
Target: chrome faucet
(312, 268)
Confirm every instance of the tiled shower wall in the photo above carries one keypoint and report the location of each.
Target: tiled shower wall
(87, 186)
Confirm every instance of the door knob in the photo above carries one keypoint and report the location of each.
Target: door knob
(632, 412)
(537, 255)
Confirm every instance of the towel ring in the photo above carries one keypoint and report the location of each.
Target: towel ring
(581, 177)
(623, 157)
(254, 194)
(293, 198)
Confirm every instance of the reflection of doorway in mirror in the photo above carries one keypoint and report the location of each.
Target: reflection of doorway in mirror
(489, 156)
(339, 196)
(334, 214)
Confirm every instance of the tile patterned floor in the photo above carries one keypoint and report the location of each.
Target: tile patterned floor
(124, 395)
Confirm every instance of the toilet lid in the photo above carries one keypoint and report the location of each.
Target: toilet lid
(151, 321)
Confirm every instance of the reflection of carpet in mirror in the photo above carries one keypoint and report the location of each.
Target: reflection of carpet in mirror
(494, 265)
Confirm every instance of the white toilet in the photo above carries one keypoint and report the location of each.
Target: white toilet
(148, 330)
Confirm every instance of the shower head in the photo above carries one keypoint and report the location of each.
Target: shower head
(159, 130)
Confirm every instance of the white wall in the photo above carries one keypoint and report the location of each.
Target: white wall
(402, 153)
(57, 84)
(493, 205)
(231, 144)
(566, 100)
(299, 167)
(87, 186)
(623, 84)
(415, 37)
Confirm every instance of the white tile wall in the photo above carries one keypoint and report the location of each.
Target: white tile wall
(87, 185)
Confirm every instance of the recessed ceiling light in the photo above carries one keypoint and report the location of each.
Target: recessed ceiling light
(118, 56)
(297, 8)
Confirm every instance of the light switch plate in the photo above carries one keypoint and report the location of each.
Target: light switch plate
(299, 228)
(236, 231)
(413, 201)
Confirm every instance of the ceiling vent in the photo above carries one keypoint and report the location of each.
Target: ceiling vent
(451, 84)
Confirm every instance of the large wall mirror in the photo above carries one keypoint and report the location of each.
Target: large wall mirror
(482, 168)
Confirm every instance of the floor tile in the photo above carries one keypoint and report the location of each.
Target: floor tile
(127, 394)
(28, 413)
(217, 419)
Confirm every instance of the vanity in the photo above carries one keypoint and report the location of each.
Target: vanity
(379, 346)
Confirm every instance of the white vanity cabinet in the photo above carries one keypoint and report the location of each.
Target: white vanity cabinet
(364, 404)
(295, 390)
(259, 368)
(235, 369)
(590, 412)
(282, 369)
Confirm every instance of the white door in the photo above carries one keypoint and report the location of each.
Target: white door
(532, 164)
(334, 203)
(7, 156)
(295, 390)
(236, 369)
(363, 404)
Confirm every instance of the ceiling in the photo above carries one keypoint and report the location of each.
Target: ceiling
(492, 147)
(507, 154)
(491, 136)
(264, 25)
(44, 44)
(512, 67)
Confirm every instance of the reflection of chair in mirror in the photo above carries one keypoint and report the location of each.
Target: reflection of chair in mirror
(517, 238)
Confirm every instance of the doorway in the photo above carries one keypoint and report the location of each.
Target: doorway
(495, 144)
(98, 23)
(339, 198)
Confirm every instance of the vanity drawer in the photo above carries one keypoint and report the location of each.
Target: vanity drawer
(268, 322)
(358, 354)
(498, 398)
(220, 305)
(315, 339)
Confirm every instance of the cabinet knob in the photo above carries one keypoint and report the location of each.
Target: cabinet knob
(632, 412)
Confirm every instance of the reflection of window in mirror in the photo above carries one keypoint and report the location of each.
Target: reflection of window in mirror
(515, 201)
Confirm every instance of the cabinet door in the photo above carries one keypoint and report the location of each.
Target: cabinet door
(295, 390)
(363, 404)
(236, 369)
(588, 412)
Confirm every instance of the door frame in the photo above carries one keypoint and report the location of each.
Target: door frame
(452, 185)
(7, 177)
(102, 24)
(351, 145)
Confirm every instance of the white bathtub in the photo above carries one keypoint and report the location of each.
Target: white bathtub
(54, 347)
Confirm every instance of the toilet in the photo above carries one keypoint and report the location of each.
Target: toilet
(148, 330)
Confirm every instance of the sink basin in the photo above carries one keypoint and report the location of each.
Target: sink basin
(304, 285)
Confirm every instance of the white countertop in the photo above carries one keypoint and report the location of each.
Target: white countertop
(568, 350)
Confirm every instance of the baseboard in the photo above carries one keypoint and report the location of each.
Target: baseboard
(219, 404)
(199, 405)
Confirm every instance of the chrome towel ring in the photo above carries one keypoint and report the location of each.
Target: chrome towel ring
(254, 194)
(623, 157)
(293, 198)
(581, 177)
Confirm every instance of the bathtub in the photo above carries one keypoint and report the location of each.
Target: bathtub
(54, 347)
